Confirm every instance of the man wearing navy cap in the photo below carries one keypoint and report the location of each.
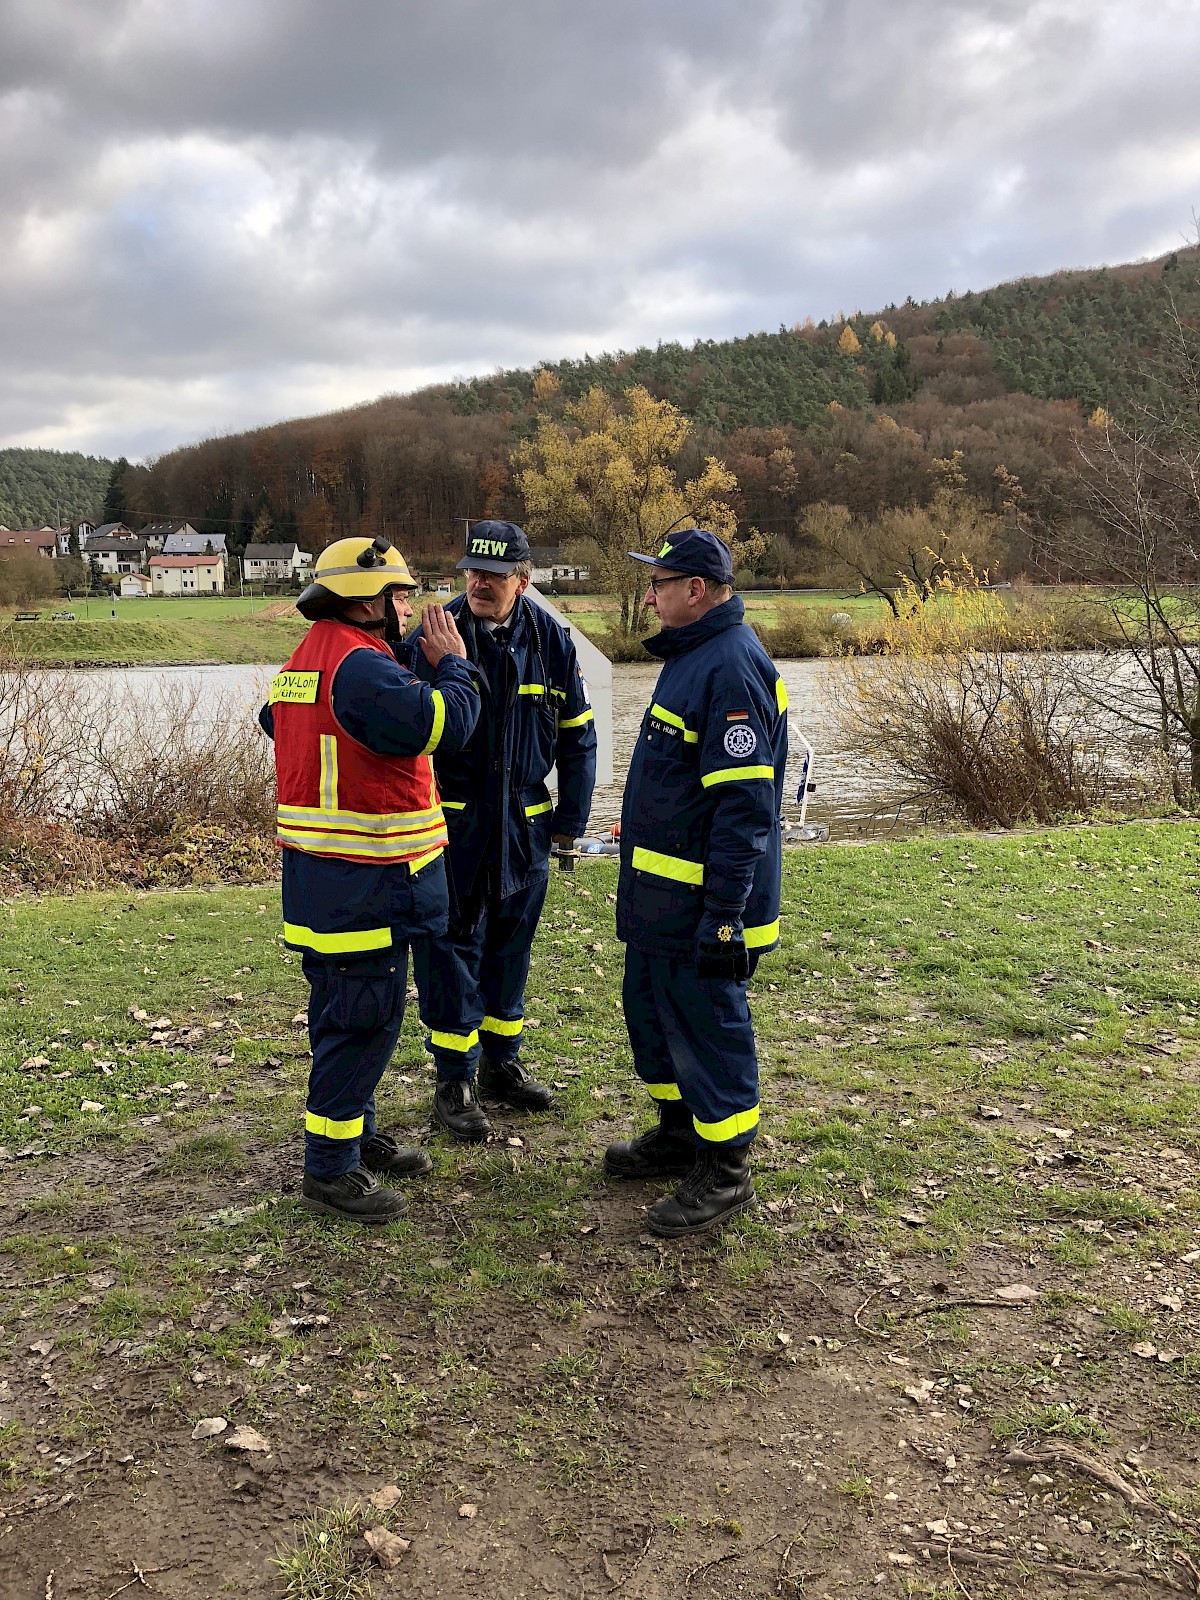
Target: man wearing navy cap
(535, 715)
(699, 887)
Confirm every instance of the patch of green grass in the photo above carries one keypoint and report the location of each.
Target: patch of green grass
(212, 1152)
(120, 1314)
(1061, 1421)
(322, 1563)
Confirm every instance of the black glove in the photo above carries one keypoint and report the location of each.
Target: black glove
(721, 944)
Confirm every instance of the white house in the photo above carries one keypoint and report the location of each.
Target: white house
(274, 563)
(187, 575)
(134, 586)
(114, 556)
(183, 540)
(156, 535)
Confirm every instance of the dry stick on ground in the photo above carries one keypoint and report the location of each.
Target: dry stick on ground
(730, 1555)
(876, 1333)
(985, 1558)
(1193, 1571)
(618, 1583)
(1089, 1466)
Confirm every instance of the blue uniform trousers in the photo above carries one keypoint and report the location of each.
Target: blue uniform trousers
(355, 1009)
(693, 1040)
(472, 982)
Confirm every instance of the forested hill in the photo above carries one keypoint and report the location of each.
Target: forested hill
(1077, 336)
(38, 487)
(854, 412)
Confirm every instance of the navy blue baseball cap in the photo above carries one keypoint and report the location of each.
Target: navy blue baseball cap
(695, 551)
(494, 547)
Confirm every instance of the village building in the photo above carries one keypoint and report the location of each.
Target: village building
(156, 535)
(187, 575)
(183, 540)
(28, 542)
(134, 586)
(111, 557)
(275, 563)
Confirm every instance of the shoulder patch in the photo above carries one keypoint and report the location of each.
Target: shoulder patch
(736, 716)
(740, 741)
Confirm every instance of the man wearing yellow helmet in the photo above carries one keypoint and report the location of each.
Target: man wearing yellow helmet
(363, 836)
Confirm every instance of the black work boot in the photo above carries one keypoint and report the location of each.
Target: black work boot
(508, 1082)
(669, 1147)
(456, 1108)
(384, 1153)
(358, 1196)
(718, 1187)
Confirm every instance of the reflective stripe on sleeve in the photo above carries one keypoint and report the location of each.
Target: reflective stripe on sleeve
(728, 1127)
(674, 721)
(439, 721)
(532, 688)
(673, 867)
(337, 944)
(420, 862)
(454, 805)
(501, 1025)
(577, 722)
(781, 698)
(462, 1042)
(328, 1128)
(766, 933)
(732, 774)
(536, 810)
(663, 1091)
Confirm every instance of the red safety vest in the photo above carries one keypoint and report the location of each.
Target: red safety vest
(336, 797)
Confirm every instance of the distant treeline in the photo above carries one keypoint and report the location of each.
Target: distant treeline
(853, 412)
(39, 486)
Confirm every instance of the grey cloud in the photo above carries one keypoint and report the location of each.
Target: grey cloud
(220, 212)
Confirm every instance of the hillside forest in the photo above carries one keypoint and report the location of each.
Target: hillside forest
(854, 419)
(46, 488)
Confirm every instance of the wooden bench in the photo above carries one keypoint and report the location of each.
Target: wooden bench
(29, 616)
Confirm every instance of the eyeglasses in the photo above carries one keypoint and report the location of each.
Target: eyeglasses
(680, 577)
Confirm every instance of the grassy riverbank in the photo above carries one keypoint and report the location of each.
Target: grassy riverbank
(981, 1070)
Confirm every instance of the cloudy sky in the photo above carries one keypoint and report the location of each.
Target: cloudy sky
(218, 213)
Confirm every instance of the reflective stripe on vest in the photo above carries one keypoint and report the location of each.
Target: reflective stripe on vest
(673, 867)
(675, 721)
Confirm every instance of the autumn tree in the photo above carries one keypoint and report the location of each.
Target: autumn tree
(604, 477)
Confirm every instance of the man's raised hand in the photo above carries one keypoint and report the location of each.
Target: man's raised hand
(439, 636)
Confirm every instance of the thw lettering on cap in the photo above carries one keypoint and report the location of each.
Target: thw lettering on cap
(488, 547)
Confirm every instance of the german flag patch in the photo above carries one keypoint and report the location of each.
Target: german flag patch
(737, 716)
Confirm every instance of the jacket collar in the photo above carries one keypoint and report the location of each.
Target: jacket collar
(472, 630)
(677, 641)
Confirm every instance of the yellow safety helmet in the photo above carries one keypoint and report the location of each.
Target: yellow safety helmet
(353, 569)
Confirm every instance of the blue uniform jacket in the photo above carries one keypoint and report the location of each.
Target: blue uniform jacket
(498, 809)
(701, 813)
(383, 705)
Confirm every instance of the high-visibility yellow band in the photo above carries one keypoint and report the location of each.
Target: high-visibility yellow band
(732, 774)
(663, 1091)
(576, 722)
(531, 688)
(674, 721)
(410, 822)
(439, 721)
(397, 850)
(454, 805)
(329, 773)
(766, 933)
(328, 1128)
(728, 1127)
(673, 867)
(418, 863)
(559, 694)
(501, 1025)
(454, 1041)
(294, 688)
(781, 696)
(338, 944)
(536, 810)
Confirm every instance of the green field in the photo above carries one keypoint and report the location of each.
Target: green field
(156, 609)
(968, 1291)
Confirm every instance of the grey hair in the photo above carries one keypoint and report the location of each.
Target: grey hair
(523, 569)
(719, 591)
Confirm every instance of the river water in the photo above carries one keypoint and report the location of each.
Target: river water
(850, 799)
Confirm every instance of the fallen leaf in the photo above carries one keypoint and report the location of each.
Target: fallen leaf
(41, 1347)
(940, 1527)
(246, 1439)
(90, 1105)
(388, 1547)
(232, 999)
(33, 1063)
(1171, 1301)
(300, 1020)
(990, 1111)
(138, 1014)
(1146, 1351)
(913, 1218)
(468, 1510)
(1015, 1293)
(209, 1427)
(920, 1391)
(384, 1499)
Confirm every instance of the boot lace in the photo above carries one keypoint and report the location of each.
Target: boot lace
(699, 1180)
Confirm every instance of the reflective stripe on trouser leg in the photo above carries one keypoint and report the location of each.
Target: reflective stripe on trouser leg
(508, 926)
(710, 1037)
(651, 1052)
(446, 970)
(355, 1010)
